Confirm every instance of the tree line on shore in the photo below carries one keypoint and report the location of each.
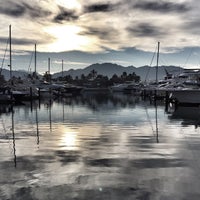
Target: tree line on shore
(95, 79)
(92, 78)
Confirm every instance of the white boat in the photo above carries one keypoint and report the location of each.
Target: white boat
(189, 115)
(185, 88)
(122, 86)
(45, 93)
(118, 87)
(185, 96)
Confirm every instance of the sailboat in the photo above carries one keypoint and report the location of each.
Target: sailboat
(182, 89)
(5, 91)
(153, 89)
(187, 87)
(25, 89)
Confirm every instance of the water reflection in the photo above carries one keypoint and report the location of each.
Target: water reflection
(98, 147)
(13, 135)
(69, 139)
(97, 102)
(187, 114)
(37, 125)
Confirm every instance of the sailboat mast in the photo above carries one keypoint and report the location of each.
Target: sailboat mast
(10, 41)
(49, 65)
(35, 58)
(62, 68)
(49, 72)
(157, 62)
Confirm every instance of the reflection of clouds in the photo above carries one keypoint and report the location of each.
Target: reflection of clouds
(89, 153)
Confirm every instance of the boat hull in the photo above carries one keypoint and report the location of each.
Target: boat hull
(186, 96)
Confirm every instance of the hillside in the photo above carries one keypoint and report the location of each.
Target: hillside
(6, 74)
(108, 69)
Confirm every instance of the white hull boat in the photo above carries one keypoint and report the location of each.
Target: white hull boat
(185, 95)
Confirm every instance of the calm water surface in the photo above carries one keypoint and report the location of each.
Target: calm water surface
(99, 147)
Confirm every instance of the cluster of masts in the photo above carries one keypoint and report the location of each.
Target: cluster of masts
(35, 56)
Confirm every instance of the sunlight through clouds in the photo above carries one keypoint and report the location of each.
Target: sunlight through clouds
(69, 4)
(96, 26)
(68, 38)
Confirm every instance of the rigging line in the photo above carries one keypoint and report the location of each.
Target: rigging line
(150, 64)
(29, 67)
(188, 57)
(4, 56)
(149, 119)
(163, 61)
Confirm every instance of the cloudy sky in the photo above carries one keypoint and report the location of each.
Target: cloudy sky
(83, 32)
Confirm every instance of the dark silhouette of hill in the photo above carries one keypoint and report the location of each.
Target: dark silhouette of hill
(18, 73)
(109, 69)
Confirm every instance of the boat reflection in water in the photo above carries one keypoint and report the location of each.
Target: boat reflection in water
(112, 147)
(189, 115)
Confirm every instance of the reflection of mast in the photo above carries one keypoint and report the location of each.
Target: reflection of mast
(50, 115)
(37, 126)
(156, 115)
(149, 119)
(13, 134)
(63, 111)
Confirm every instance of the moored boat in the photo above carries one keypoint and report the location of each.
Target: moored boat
(6, 95)
(185, 96)
(95, 90)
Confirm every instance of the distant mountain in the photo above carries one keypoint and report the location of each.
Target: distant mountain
(109, 69)
(19, 73)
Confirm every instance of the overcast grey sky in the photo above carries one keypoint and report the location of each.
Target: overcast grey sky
(83, 32)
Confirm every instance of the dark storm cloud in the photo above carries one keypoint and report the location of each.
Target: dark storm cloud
(144, 29)
(192, 26)
(36, 11)
(99, 8)
(22, 41)
(65, 15)
(14, 9)
(162, 7)
(102, 33)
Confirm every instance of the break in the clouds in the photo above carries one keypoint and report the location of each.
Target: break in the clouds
(96, 26)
